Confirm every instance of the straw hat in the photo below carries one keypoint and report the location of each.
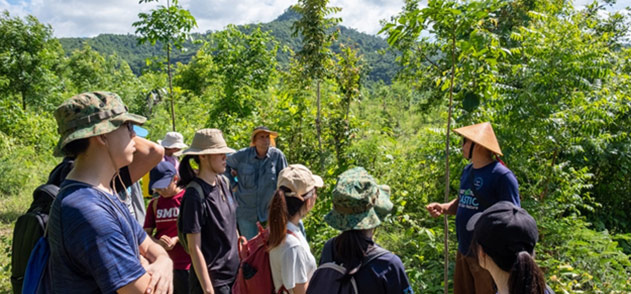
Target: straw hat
(208, 141)
(260, 129)
(359, 203)
(299, 179)
(481, 134)
(173, 140)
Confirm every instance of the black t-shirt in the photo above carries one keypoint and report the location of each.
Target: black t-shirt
(215, 218)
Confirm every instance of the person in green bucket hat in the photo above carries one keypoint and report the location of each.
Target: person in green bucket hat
(359, 206)
(96, 246)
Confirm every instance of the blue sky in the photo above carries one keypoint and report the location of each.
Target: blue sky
(88, 18)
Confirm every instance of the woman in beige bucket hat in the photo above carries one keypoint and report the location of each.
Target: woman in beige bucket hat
(484, 182)
(208, 214)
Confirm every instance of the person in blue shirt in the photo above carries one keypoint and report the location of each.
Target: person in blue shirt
(96, 246)
(254, 170)
(483, 182)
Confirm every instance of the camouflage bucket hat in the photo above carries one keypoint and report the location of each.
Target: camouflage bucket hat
(358, 202)
(90, 114)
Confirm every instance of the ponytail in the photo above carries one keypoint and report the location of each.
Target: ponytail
(187, 173)
(281, 209)
(525, 276)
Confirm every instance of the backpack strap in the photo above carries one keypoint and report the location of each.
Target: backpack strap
(375, 252)
(198, 188)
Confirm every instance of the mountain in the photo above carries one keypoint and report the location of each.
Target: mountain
(379, 63)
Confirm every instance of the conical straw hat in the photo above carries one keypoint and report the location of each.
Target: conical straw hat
(481, 134)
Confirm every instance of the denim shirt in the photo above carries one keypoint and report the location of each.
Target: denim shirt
(256, 179)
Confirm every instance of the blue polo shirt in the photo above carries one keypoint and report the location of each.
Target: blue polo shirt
(256, 180)
(479, 189)
(93, 244)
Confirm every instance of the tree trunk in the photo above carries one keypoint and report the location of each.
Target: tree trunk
(170, 85)
(23, 100)
(447, 140)
(318, 127)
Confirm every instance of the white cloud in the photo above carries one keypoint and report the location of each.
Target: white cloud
(87, 18)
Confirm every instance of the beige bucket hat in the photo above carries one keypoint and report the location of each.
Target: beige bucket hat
(299, 179)
(208, 141)
(481, 134)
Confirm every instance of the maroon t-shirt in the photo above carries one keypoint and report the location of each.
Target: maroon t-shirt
(164, 220)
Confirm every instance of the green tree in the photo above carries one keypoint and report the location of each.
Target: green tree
(28, 57)
(171, 25)
(469, 52)
(347, 75)
(315, 55)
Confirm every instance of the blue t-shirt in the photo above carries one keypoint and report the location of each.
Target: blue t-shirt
(93, 245)
(479, 189)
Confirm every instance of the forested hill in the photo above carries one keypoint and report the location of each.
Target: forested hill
(379, 63)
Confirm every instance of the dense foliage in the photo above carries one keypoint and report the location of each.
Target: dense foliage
(553, 80)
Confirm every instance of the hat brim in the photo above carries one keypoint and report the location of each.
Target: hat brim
(161, 183)
(383, 206)
(271, 133)
(196, 151)
(319, 183)
(173, 145)
(473, 221)
(359, 221)
(99, 128)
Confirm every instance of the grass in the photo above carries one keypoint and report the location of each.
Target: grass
(14, 205)
(10, 208)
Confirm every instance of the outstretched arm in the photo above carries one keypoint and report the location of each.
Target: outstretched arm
(437, 209)
(148, 154)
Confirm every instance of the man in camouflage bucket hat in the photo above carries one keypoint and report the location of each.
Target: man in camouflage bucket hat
(359, 206)
(358, 202)
(91, 114)
(95, 243)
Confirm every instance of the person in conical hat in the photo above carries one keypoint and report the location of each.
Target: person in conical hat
(484, 182)
(208, 214)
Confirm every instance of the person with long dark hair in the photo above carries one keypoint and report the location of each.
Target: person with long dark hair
(209, 220)
(504, 239)
(291, 261)
(359, 205)
(96, 246)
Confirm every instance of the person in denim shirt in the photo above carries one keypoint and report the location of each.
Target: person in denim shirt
(254, 170)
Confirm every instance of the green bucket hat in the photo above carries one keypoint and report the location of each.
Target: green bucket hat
(91, 114)
(358, 202)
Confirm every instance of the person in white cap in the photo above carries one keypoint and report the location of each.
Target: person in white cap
(291, 261)
(173, 142)
(484, 182)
